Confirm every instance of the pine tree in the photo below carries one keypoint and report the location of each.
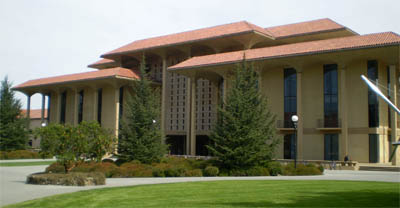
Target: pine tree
(140, 134)
(244, 134)
(13, 124)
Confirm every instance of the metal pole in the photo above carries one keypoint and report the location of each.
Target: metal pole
(295, 146)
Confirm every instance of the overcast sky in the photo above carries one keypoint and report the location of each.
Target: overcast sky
(42, 38)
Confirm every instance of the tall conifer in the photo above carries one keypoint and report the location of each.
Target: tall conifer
(140, 133)
(244, 134)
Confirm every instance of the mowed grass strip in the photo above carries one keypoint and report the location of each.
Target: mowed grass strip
(14, 164)
(233, 194)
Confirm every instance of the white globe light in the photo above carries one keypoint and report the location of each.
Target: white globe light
(295, 118)
(154, 121)
(43, 124)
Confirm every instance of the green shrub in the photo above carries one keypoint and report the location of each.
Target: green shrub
(107, 160)
(193, 173)
(275, 168)
(237, 172)
(70, 179)
(309, 169)
(135, 170)
(211, 171)
(157, 172)
(21, 154)
(257, 171)
(174, 172)
(119, 162)
(55, 168)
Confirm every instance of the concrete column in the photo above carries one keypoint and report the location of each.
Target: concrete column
(58, 115)
(188, 114)
(193, 117)
(393, 114)
(95, 103)
(28, 109)
(300, 115)
(43, 108)
(343, 142)
(163, 95)
(116, 101)
(76, 106)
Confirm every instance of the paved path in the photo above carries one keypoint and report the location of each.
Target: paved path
(13, 188)
(26, 160)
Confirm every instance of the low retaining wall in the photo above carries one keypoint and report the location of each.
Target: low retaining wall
(330, 165)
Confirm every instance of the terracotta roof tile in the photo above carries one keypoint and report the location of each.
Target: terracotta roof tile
(36, 113)
(112, 72)
(314, 26)
(304, 48)
(100, 62)
(189, 36)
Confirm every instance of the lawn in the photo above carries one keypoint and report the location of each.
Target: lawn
(14, 164)
(233, 194)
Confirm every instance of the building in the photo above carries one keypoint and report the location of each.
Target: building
(311, 69)
(35, 121)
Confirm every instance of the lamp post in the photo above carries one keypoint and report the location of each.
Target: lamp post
(295, 119)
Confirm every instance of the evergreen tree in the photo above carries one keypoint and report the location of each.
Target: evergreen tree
(140, 133)
(244, 135)
(13, 124)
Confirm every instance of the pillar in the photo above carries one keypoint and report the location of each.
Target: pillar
(116, 101)
(300, 115)
(76, 106)
(95, 104)
(193, 117)
(58, 115)
(43, 108)
(28, 109)
(343, 142)
(188, 114)
(163, 95)
(393, 114)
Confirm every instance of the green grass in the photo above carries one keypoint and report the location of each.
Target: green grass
(14, 164)
(233, 194)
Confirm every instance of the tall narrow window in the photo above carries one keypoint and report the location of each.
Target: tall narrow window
(373, 104)
(63, 107)
(290, 96)
(374, 148)
(99, 104)
(330, 96)
(288, 146)
(389, 96)
(121, 101)
(331, 147)
(80, 107)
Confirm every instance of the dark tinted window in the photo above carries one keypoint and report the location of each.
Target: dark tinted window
(80, 107)
(63, 107)
(290, 95)
(288, 146)
(331, 147)
(373, 148)
(330, 96)
(373, 104)
(99, 104)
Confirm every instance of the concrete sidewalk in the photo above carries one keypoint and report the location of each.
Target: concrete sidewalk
(13, 188)
(27, 160)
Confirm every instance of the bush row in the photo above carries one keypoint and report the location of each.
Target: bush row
(70, 179)
(21, 154)
(181, 167)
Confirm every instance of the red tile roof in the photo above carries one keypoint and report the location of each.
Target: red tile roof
(315, 26)
(35, 113)
(100, 62)
(304, 48)
(106, 73)
(190, 36)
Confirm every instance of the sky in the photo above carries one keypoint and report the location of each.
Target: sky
(43, 38)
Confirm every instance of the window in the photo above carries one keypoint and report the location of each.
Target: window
(288, 146)
(63, 107)
(99, 104)
(373, 148)
(331, 147)
(80, 106)
(373, 104)
(48, 107)
(330, 96)
(290, 95)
